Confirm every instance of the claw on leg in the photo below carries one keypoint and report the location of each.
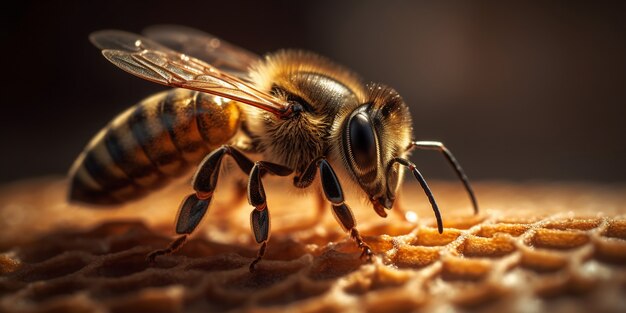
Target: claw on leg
(366, 251)
(334, 194)
(171, 248)
(191, 211)
(259, 256)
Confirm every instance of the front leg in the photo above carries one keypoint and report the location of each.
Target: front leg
(334, 194)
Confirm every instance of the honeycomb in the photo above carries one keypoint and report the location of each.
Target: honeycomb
(533, 248)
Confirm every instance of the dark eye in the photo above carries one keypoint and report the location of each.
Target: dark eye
(362, 141)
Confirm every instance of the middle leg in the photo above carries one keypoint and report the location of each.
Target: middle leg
(260, 216)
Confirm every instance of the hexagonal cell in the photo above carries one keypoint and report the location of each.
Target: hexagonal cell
(215, 298)
(558, 286)
(558, 239)
(430, 237)
(59, 266)
(548, 285)
(574, 224)
(379, 244)
(391, 229)
(118, 243)
(124, 286)
(610, 250)
(542, 261)
(463, 221)
(264, 276)
(220, 262)
(298, 290)
(121, 265)
(154, 301)
(333, 264)
(289, 249)
(495, 247)
(489, 230)
(55, 289)
(393, 300)
(415, 257)
(519, 219)
(117, 228)
(458, 268)
(9, 285)
(473, 296)
(46, 248)
(616, 229)
(384, 277)
(36, 252)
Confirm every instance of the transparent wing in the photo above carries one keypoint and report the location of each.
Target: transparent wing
(154, 62)
(213, 50)
(124, 41)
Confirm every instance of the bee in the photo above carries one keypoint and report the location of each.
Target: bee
(299, 113)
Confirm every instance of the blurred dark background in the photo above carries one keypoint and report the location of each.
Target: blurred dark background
(517, 90)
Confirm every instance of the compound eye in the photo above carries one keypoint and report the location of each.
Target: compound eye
(362, 141)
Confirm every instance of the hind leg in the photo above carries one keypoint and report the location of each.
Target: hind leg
(195, 205)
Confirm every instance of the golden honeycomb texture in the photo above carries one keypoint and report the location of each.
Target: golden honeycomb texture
(536, 247)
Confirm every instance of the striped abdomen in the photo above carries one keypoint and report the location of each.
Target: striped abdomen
(155, 140)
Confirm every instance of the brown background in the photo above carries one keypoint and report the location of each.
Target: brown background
(519, 91)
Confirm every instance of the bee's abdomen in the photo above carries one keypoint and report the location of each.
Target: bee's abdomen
(151, 142)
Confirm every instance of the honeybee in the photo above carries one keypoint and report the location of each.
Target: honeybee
(301, 113)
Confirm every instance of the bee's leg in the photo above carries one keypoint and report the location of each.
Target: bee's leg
(171, 248)
(260, 216)
(305, 179)
(191, 211)
(341, 211)
(195, 205)
(438, 146)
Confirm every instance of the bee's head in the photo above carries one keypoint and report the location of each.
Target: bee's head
(373, 134)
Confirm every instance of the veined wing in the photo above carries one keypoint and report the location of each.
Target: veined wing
(211, 49)
(152, 61)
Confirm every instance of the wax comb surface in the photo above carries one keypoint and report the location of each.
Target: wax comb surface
(534, 248)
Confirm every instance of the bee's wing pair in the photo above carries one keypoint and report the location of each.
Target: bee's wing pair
(221, 70)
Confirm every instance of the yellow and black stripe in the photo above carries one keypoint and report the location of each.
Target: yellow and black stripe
(157, 139)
